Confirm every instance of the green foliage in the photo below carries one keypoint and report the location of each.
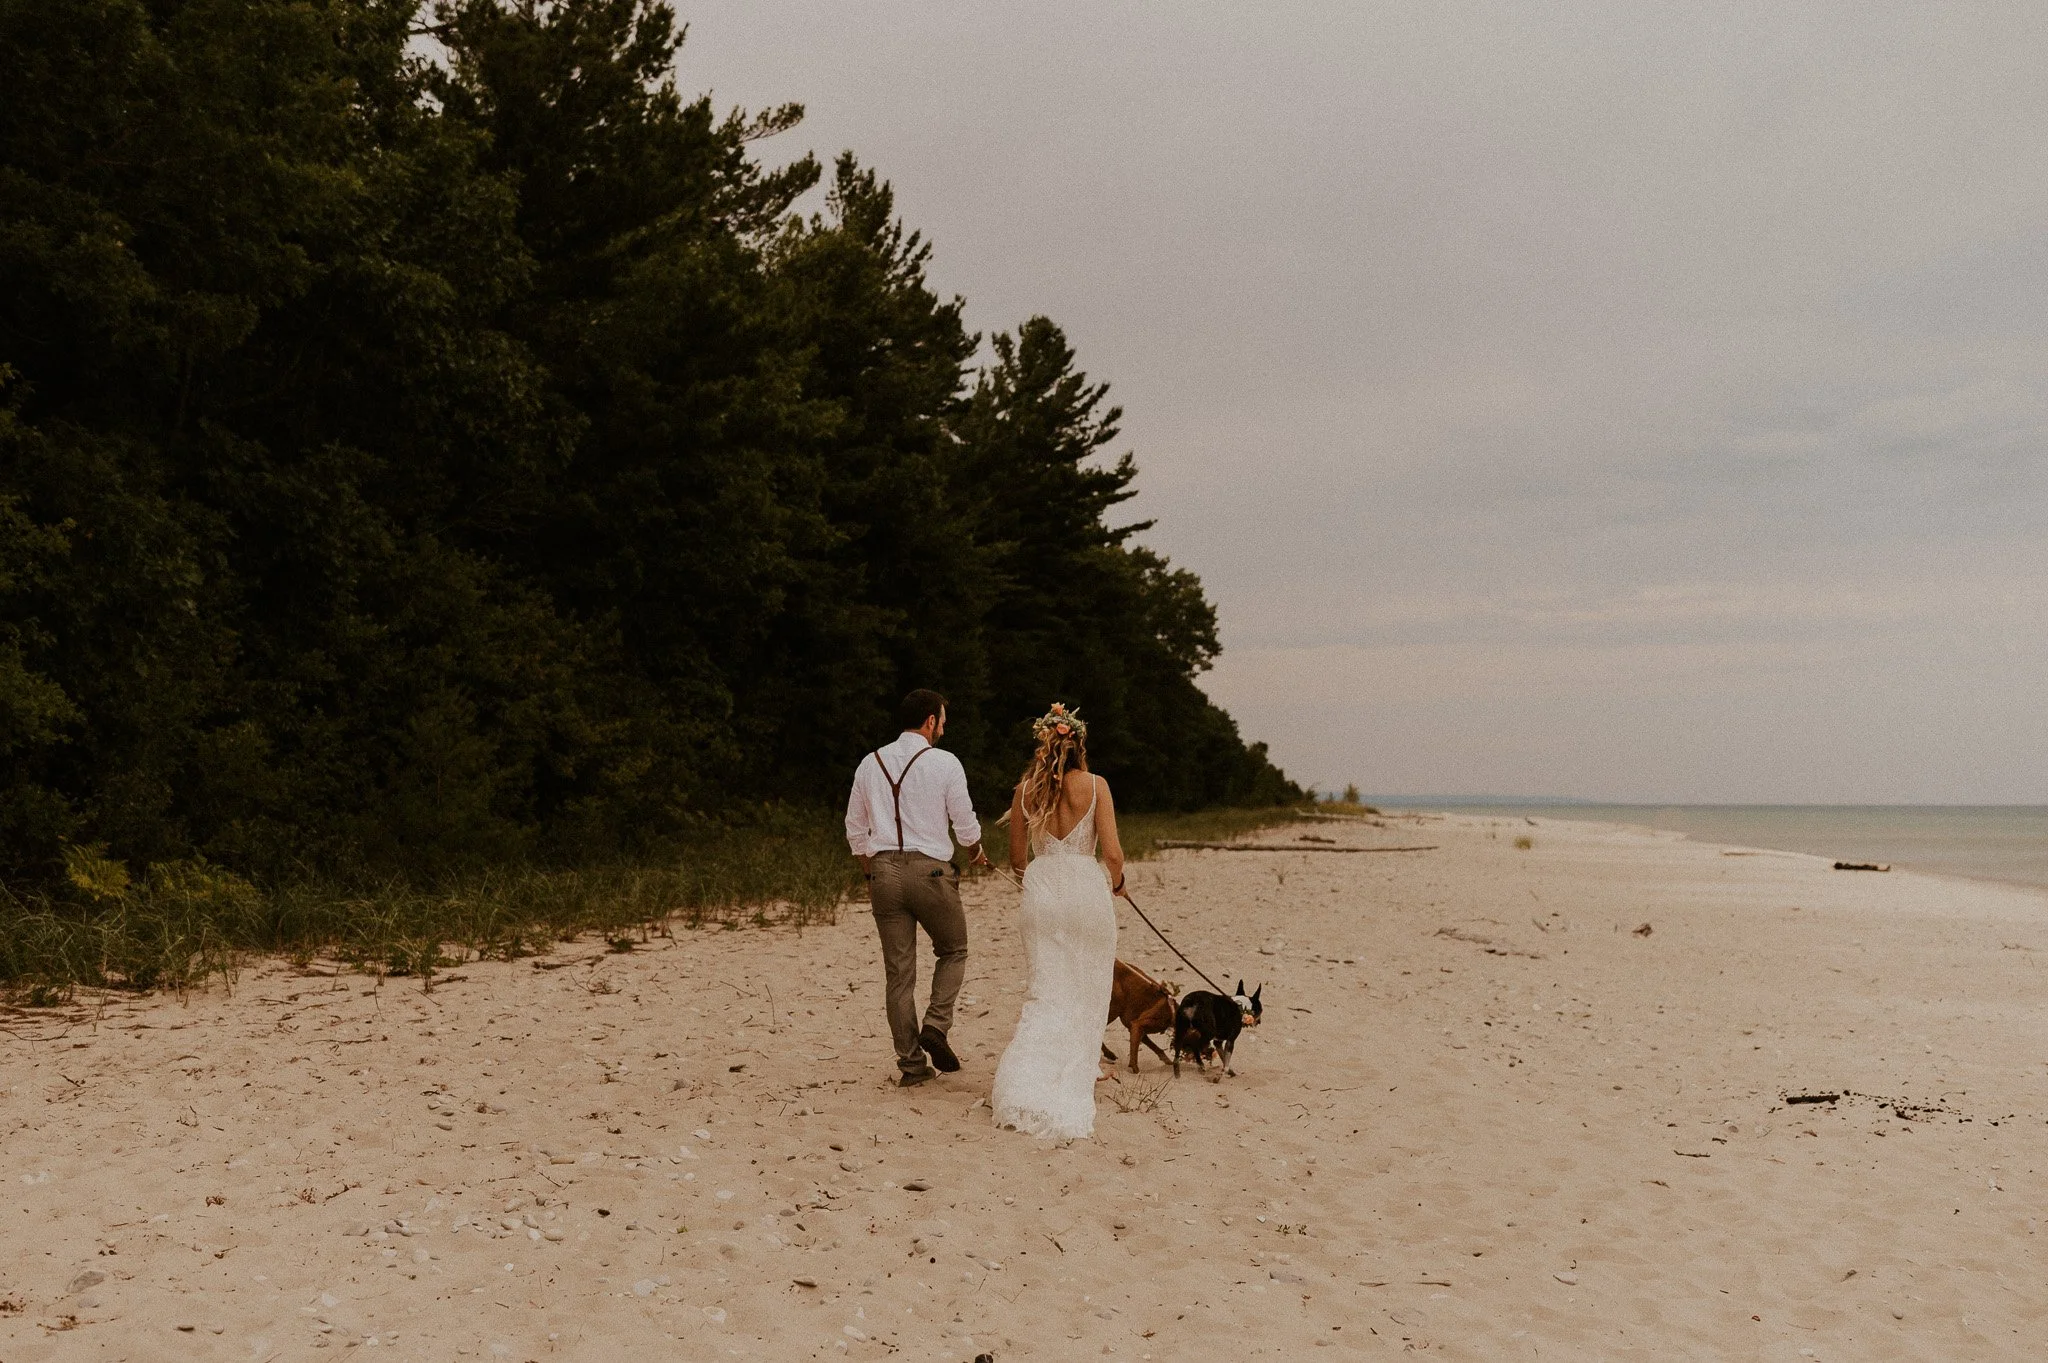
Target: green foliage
(182, 921)
(415, 467)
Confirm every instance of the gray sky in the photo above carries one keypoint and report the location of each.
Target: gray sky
(1597, 399)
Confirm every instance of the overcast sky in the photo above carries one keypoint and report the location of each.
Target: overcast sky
(1604, 399)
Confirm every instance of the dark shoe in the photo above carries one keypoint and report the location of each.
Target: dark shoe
(934, 1043)
(910, 1079)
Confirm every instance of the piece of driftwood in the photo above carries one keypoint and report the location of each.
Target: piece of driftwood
(1277, 847)
(1792, 1099)
(1860, 866)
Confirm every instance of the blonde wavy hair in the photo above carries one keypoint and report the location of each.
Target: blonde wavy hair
(1062, 747)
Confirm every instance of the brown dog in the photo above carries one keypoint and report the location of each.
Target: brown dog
(1142, 1004)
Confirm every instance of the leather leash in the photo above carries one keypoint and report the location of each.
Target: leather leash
(1125, 895)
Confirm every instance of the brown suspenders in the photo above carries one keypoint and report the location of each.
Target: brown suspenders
(896, 786)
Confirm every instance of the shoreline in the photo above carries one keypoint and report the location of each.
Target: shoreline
(1601, 815)
(1485, 1116)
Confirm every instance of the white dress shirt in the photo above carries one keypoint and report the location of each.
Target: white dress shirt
(934, 794)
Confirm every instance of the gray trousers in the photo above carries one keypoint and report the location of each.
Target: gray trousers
(911, 890)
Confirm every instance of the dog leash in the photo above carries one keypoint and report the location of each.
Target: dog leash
(1125, 895)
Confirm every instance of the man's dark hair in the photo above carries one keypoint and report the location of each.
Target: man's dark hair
(917, 707)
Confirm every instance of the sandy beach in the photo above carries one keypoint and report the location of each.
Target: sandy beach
(1507, 1103)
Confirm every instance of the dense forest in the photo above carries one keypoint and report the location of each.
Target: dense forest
(426, 436)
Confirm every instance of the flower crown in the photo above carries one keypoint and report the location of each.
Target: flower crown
(1058, 721)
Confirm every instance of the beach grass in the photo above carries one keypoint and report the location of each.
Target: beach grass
(175, 926)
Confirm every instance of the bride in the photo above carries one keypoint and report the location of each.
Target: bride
(1045, 1084)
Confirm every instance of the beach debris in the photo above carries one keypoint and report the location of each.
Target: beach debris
(917, 1185)
(1488, 944)
(1644, 931)
(1906, 1110)
(1568, 1279)
(89, 1278)
(1860, 866)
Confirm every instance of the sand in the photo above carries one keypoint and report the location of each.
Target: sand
(1485, 1118)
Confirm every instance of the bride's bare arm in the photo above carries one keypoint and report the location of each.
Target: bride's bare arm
(1020, 838)
(1105, 834)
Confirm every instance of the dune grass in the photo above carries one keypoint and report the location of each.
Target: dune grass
(176, 926)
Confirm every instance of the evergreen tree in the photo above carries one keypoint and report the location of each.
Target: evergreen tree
(405, 461)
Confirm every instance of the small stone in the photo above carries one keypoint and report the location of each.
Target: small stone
(356, 1228)
(715, 1314)
(644, 1287)
(917, 1185)
(1568, 1279)
(555, 1235)
(1897, 1314)
(851, 1166)
(853, 1332)
(805, 1282)
(91, 1277)
(445, 1126)
(187, 1329)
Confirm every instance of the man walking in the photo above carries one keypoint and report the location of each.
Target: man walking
(904, 797)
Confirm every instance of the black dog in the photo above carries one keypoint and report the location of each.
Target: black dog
(1205, 1021)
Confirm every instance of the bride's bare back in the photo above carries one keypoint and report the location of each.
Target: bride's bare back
(1078, 791)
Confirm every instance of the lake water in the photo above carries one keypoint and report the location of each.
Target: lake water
(1988, 842)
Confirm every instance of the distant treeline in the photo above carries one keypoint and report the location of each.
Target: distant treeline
(425, 437)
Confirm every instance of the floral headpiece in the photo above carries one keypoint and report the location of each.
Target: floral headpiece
(1058, 721)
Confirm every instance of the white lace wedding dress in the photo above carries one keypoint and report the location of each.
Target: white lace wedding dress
(1045, 1084)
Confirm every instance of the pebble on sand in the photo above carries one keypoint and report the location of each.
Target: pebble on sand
(1568, 1279)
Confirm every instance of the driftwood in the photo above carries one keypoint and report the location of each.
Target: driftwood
(1278, 847)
